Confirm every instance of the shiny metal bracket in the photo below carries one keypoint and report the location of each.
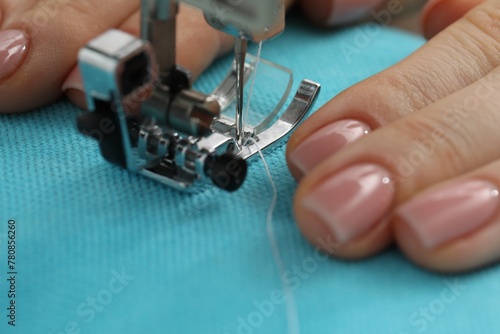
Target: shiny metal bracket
(147, 119)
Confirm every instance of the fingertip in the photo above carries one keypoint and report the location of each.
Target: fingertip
(335, 209)
(294, 170)
(321, 237)
(442, 260)
(318, 11)
(73, 88)
(439, 14)
(14, 45)
(338, 12)
(469, 252)
(432, 19)
(77, 97)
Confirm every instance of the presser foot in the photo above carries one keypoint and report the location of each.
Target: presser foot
(154, 124)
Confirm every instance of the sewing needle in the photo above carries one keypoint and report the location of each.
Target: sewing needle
(240, 50)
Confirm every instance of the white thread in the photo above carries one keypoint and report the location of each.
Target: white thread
(252, 85)
(291, 306)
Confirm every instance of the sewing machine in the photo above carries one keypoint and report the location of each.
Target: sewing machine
(147, 118)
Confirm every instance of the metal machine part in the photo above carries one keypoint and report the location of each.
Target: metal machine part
(147, 118)
(256, 20)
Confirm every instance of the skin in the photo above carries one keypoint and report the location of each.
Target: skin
(464, 48)
(410, 117)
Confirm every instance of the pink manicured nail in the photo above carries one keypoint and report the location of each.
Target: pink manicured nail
(353, 201)
(13, 50)
(450, 212)
(326, 142)
(73, 81)
(348, 11)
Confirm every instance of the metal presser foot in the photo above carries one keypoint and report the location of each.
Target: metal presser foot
(147, 118)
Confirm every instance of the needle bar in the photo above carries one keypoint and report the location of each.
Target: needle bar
(240, 50)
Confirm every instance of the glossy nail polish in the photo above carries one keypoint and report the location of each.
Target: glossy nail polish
(353, 201)
(448, 213)
(13, 50)
(326, 142)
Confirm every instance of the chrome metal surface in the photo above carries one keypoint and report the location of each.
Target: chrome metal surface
(226, 92)
(159, 28)
(178, 136)
(258, 19)
(240, 51)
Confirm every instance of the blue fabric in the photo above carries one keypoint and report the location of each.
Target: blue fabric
(159, 261)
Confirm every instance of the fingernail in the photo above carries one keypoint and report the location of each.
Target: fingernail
(73, 81)
(326, 142)
(353, 201)
(348, 11)
(13, 49)
(448, 213)
(436, 15)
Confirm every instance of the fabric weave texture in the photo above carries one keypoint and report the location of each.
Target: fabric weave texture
(101, 250)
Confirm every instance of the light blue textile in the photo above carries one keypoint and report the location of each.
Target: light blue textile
(160, 261)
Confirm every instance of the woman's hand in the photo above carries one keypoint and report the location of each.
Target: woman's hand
(40, 39)
(422, 165)
(423, 171)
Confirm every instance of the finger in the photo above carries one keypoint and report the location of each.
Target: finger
(55, 31)
(10, 10)
(73, 84)
(439, 14)
(198, 45)
(455, 225)
(73, 88)
(351, 195)
(459, 56)
(337, 12)
(2, 10)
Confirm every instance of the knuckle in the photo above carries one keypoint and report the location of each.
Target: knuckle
(411, 84)
(430, 143)
(486, 18)
(480, 35)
